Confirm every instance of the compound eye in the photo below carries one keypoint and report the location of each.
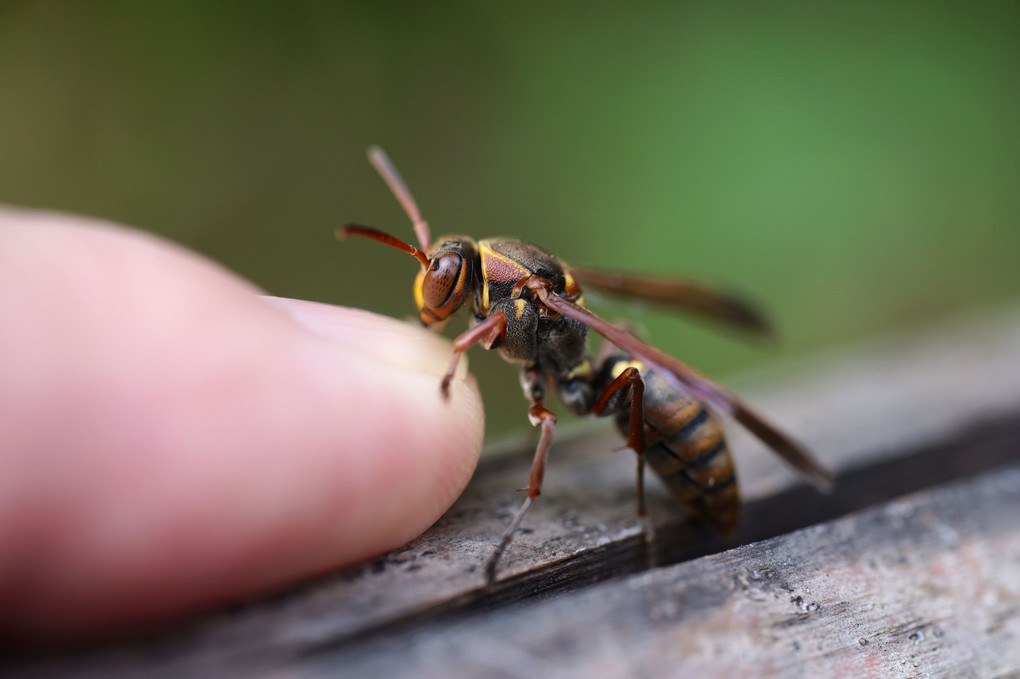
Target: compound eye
(442, 278)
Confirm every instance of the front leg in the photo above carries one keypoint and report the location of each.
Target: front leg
(490, 332)
(510, 326)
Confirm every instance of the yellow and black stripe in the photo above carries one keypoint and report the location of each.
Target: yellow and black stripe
(687, 449)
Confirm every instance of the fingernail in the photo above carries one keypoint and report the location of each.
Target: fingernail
(374, 336)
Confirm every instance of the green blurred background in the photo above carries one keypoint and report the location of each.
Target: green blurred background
(853, 165)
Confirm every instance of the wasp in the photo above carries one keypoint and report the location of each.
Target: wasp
(529, 306)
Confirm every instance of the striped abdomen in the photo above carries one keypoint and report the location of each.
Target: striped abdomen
(687, 449)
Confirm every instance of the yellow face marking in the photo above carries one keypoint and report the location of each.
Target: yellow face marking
(519, 307)
(419, 299)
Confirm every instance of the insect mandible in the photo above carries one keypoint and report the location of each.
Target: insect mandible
(529, 305)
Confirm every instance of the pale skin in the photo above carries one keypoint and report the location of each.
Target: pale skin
(171, 439)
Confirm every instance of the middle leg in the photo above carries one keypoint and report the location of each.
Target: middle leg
(540, 417)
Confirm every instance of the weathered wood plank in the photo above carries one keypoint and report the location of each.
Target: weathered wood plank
(926, 586)
(890, 418)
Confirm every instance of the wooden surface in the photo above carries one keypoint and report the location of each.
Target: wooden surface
(912, 568)
(924, 586)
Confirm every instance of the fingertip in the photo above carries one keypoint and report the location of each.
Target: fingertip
(379, 337)
(414, 449)
(384, 454)
(392, 374)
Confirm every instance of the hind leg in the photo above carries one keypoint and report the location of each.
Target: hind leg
(627, 391)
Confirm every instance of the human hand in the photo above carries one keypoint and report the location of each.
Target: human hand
(170, 439)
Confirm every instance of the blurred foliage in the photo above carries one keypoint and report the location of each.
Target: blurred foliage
(853, 165)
